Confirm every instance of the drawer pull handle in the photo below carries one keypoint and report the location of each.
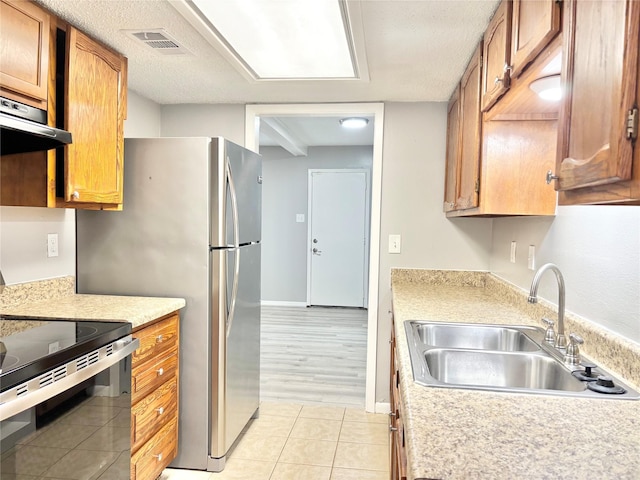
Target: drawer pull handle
(160, 410)
(160, 372)
(158, 457)
(159, 339)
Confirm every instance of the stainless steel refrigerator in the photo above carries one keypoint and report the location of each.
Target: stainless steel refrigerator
(190, 228)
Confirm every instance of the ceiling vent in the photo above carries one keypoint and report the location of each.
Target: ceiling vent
(158, 40)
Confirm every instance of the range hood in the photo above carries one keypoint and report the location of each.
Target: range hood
(24, 129)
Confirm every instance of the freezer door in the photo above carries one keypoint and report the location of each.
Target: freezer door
(236, 194)
(236, 360)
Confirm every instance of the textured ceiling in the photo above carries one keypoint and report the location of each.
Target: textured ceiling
(416, 51)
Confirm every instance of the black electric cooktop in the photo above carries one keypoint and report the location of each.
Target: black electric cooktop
(32, 346)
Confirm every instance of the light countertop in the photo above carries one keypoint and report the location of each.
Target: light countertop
(55, 299)
(465, 434)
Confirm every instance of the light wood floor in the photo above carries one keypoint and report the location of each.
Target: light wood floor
(313, 355)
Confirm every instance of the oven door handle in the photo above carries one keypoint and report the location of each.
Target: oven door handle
(60, 379)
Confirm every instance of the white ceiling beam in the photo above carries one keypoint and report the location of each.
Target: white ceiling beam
(277, 132)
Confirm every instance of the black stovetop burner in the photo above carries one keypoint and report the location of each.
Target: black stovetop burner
(32, 346)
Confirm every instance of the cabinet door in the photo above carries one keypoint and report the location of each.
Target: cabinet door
(593, 148)
(534, 24)
(96, 108)
(453, 152)
(497, 48)
(470, 134)
(24, 50)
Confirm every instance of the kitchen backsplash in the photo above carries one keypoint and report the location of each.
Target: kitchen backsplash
(39, 290)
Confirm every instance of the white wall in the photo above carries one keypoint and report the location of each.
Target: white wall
(412, 196)
(204, 121)
(23, 243)
(143, 117)
(284, 194)
(597, 248)
(23, 230)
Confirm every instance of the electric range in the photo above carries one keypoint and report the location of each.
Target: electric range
(60, 373)
(31, 346)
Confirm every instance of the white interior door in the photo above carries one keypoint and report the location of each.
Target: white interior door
(338, 238)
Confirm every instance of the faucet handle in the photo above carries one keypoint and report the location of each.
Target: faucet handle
(549, 334)
(572, 355)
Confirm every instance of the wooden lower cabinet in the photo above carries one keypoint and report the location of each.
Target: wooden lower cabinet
(398, 460)
(154, 398)
(149, 461)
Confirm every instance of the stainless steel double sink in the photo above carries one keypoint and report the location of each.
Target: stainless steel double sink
(496, 358)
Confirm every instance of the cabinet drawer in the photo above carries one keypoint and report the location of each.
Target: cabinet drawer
(156, 339)
(156, 454)
(151, 413)
(150, 375)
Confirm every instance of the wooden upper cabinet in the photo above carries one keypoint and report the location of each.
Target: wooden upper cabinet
(24, 52)
(534, 24)
(453, 152)
(462, 180)
(596, 162)
(497, 56)
(470, 133)
(95, 113)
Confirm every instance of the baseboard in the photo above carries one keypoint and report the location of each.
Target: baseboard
(276, 303)
(383, 407)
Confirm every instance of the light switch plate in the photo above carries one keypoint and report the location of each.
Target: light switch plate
(394, 243)
(531, 259)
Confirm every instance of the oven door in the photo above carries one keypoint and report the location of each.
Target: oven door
(73, 421)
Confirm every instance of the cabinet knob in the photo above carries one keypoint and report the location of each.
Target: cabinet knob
(160, 410)
(507, 67)
(551, 177)
(160, 372)
(497, 80)
(158, 457)
(393, 429)
(75, 195)
(159, 339)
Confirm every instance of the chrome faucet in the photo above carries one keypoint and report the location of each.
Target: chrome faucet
(561, 340)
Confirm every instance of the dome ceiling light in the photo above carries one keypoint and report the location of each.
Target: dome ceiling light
(548, 88)
(354, 122)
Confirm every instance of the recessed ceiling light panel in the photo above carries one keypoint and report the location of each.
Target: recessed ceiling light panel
(279, 40)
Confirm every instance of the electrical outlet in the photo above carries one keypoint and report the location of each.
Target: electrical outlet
(531, 259)
(300, 217)
(512, 257)
(394, 243)
(52, 245)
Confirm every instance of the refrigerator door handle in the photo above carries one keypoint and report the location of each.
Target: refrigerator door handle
(236, 236)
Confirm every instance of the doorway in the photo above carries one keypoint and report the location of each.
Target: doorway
(253, 114)
(338, 243)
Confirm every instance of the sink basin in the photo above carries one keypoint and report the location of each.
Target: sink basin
(501, 358)
(476, 336)
(504, 370)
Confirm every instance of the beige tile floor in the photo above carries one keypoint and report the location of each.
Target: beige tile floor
(305, 442)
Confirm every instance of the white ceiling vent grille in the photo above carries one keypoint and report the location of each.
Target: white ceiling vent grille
(159, 40)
